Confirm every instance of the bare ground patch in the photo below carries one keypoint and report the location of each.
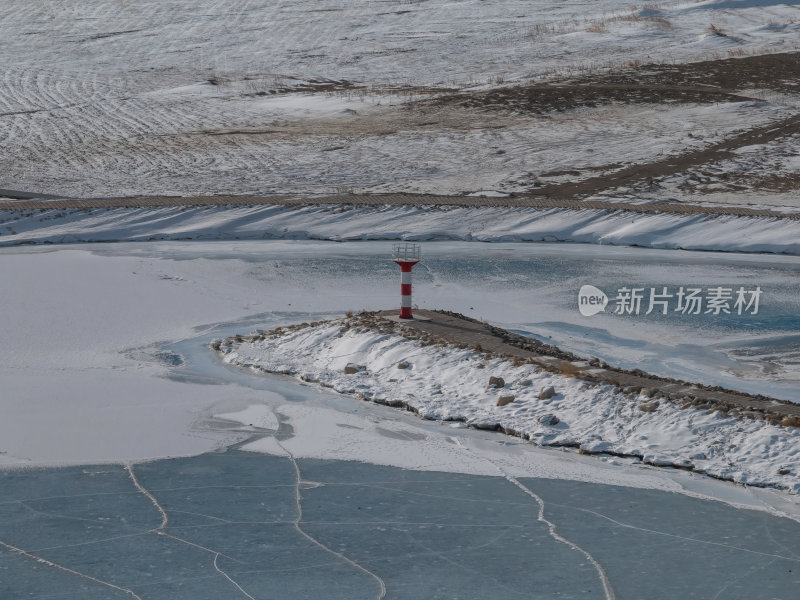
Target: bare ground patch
(702, 82)
(707, 82)
(649, 173)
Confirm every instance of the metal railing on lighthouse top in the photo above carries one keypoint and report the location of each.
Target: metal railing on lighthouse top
(406, 252)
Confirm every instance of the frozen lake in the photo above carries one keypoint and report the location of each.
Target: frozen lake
(107, 330)
(229, 529)
(105, 363)
(533, 289)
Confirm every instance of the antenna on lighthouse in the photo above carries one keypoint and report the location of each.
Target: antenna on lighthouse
(406, 255)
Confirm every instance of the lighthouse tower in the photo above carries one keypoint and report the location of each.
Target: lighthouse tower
(406, 255)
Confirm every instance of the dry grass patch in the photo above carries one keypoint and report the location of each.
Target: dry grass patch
(790, 421)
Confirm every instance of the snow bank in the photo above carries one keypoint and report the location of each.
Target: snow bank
(485, 224)
(446, 383)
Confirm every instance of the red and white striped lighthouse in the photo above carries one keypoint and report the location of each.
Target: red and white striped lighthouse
(406, 255)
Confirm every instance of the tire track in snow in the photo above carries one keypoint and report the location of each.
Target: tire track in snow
(30, 100)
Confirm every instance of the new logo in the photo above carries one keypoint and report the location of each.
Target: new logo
(591, 300)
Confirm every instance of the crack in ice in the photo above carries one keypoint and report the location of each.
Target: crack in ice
(680, 537)
(23, 504)
(434, 496)
(149, 496)
(161, 530)
(607, 589)
(768, 531)
(99, 541)
(228, 577)
(417, 523)
(316, 542)
(205, 516)
(744, 575)
(445, 558)
(50, 563)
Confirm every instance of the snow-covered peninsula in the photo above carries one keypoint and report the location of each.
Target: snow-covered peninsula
(383, 363)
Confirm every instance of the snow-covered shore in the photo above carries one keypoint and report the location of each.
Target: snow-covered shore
(452, 384)
(340, 223)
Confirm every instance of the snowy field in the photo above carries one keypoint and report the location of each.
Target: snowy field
(229, 96)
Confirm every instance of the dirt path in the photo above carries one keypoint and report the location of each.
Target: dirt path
(456, 329)
(18, 195)
(531, 201)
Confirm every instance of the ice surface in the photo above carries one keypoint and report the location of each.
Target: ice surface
(653, 539)
(228, 525)
(258, 416)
